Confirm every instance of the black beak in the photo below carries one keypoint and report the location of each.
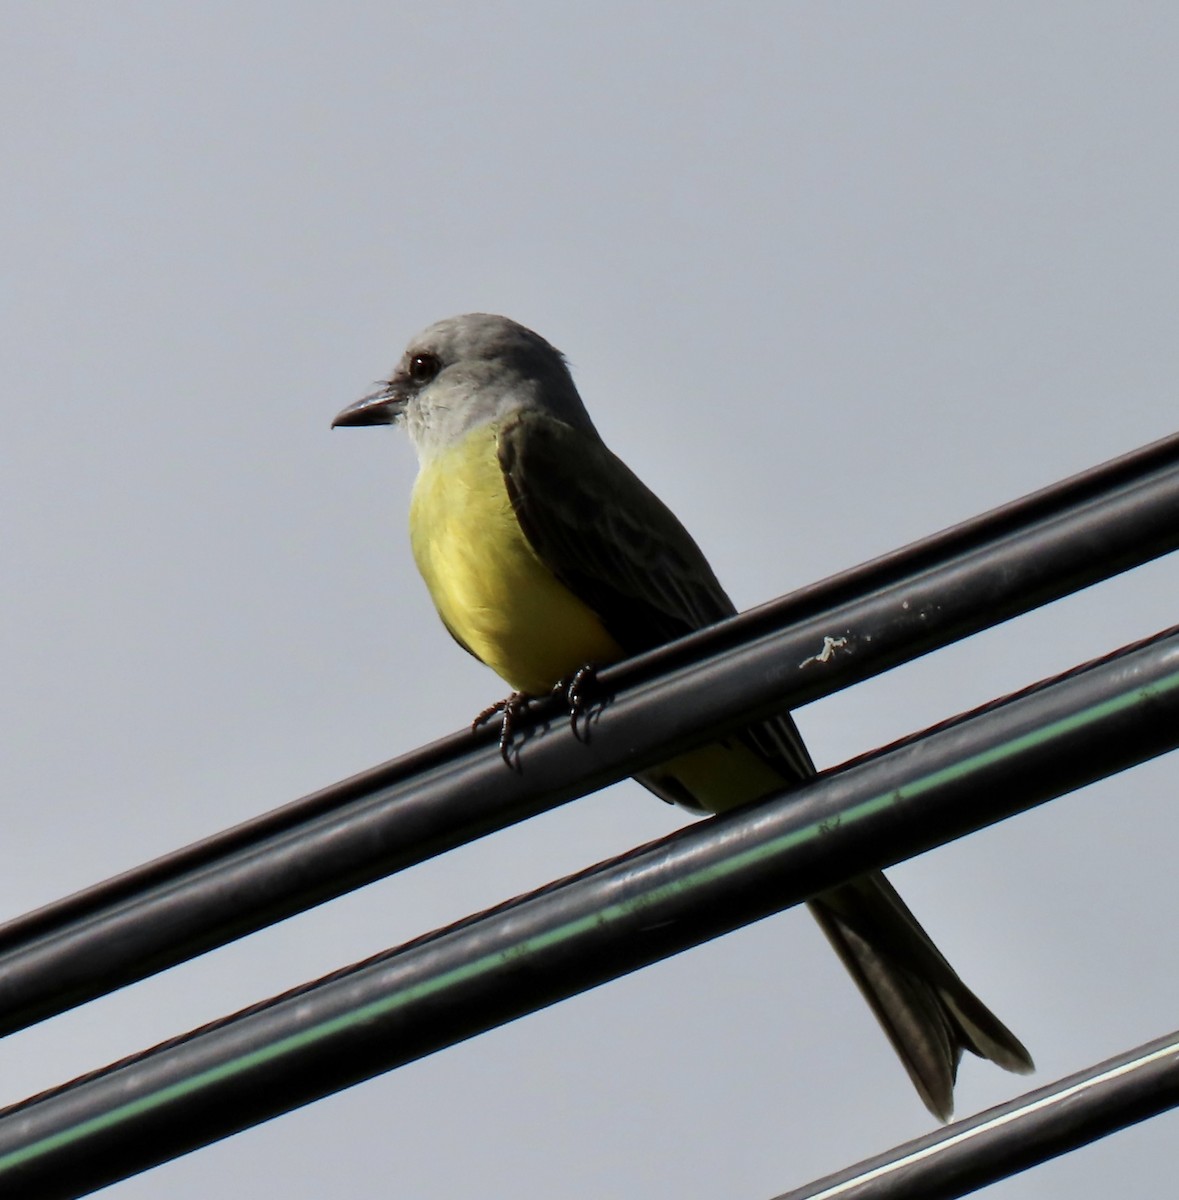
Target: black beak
(381, 408)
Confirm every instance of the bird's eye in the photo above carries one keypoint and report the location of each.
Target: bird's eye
(423, 367)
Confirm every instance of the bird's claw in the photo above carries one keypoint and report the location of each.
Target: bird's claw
(510, 709)
(578, 691)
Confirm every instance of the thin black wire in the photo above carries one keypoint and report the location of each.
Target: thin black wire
(998, 1143)
(781, 655)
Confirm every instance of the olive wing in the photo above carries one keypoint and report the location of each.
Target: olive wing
(609, 539)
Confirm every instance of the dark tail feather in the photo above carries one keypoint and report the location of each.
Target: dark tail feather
(928, 1013)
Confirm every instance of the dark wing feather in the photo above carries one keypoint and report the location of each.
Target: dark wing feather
(606, 536)
(621, 550)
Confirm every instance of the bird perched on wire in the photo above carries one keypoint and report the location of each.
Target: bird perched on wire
(543, 552)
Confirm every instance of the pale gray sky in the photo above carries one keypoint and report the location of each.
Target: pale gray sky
(831, 277)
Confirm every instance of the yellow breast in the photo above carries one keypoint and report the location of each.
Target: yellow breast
(489, 586)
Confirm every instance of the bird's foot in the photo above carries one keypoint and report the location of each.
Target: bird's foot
(579, 692)
(509, 710)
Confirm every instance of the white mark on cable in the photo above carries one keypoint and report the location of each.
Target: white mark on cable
(830, 645)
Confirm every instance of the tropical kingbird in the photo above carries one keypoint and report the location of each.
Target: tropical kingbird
(543, 553)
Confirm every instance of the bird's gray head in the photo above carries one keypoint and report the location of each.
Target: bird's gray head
(469, 371)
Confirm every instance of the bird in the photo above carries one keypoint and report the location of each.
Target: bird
(544, 555)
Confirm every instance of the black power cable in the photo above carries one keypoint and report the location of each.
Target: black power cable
(780, 655)
(662, 898)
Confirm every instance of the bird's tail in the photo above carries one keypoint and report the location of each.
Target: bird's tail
(928, 1013)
